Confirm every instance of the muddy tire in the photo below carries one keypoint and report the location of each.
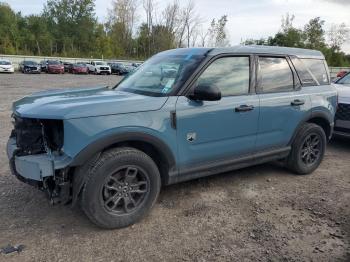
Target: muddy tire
(121, 188)
(308, 149)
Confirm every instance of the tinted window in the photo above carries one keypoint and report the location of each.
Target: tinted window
(303, 72)
(344, 80)
(229, 74)
(318, 69)
(275, 75)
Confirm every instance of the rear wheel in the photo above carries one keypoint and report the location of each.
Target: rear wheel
(121, 188)
(308, 149)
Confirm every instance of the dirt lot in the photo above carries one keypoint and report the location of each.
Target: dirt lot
(263, 213)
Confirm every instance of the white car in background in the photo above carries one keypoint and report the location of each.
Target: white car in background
(99, 67)
(342, 117)
(6, 66)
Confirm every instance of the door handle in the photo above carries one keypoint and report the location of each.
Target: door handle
(244, 108)
(297, 102)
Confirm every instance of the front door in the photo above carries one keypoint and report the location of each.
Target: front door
(215, 131)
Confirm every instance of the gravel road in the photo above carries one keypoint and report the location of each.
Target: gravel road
(263, 213)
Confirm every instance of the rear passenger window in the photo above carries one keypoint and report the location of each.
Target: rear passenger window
(275, 75)
(318, 68)
(229, 74)
(304, 73)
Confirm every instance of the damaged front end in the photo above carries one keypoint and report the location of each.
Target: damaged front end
(36, 156)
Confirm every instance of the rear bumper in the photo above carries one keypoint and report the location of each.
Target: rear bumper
(34, 167)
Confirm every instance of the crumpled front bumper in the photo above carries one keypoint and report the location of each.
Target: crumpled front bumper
(34, 168)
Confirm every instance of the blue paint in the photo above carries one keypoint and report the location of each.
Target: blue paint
(92, 114)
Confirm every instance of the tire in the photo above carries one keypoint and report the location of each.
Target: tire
(112, 180)
(306, 156)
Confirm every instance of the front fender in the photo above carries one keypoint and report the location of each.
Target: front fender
(98, 145)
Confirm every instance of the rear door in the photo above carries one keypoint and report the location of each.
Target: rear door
(283, 103)
(214, 131)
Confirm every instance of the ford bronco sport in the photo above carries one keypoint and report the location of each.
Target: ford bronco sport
(183, 114)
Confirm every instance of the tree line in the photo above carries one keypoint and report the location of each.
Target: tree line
(311, 36)
(70, 28)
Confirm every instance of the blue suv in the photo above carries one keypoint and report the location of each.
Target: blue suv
(183, 114)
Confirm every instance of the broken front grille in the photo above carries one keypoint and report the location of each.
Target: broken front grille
(36, 136)
(29, 137)
(343, 112)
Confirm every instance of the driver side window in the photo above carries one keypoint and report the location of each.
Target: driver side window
(229, 74)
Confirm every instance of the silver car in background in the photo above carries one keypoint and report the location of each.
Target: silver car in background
(342, 118)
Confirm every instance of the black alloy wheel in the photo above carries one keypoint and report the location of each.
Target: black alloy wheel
(311, 149)
(125, 190)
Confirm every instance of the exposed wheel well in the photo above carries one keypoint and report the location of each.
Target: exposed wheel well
(152, 151)
(322, 122)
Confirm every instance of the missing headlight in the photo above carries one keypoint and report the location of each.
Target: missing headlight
(34, 135)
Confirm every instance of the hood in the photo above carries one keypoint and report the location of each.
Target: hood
(343, 93)
(84, 102)
(6, 66)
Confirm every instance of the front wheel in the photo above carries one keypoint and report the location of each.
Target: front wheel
(308, 149)
(122, 186)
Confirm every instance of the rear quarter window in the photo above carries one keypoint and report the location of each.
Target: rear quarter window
(317, 67)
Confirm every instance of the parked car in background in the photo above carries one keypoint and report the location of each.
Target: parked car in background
(55, 67)
(130, 68)
(28, 66)
(136, 64)
(43, 65)
(67, 66)
(6, 66)
(342, 118)
(99, 67)
(120, 68)
(341, 74)
(79, 69)
(111, 150)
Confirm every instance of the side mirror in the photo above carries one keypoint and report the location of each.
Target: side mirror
(206, 93)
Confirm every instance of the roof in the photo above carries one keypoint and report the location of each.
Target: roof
(246, 49)
(258, 49)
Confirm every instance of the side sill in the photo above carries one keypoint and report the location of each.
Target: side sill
(228, 165)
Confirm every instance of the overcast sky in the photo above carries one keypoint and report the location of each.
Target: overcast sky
(247, 18)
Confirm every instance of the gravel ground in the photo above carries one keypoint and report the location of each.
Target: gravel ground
(263, 213)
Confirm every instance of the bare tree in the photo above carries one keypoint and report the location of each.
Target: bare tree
(148, 6)
(190, 21)
(122, 18)
(338, 35)
(218, 36)
(171, 16)
(203, 35)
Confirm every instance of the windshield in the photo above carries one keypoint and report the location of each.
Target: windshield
(345, 80)
(100, 63)
(5, 63)
(162, 74)
(30, 63)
